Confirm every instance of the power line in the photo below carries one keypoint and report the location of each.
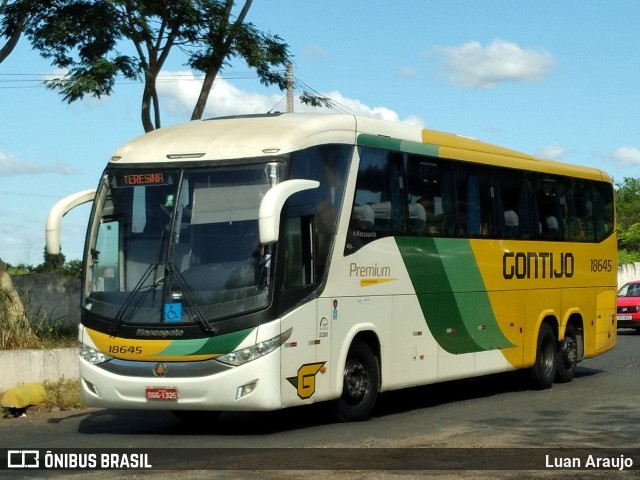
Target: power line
(37, 80)
(334, 104)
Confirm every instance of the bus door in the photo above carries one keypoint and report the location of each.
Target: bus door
(304, 357)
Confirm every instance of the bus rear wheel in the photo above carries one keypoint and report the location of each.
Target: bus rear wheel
(543, 372)
(360, 384)
(567, 356)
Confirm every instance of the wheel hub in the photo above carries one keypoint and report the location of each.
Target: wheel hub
(356, 381)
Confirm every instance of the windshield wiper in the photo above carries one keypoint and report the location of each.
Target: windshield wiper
(129, 305)
(191, 300)
(135, 299)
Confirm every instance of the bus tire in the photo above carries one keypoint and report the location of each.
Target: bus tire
(543, 372)
(360, 384)
(567, 356)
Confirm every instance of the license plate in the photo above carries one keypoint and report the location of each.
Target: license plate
(161, 393)
(624, 317)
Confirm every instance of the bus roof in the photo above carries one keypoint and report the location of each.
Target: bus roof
(254, 136)
(251, 136)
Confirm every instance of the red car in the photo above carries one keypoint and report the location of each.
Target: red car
(629, 306)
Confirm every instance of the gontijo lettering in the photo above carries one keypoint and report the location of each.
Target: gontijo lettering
(528, 265)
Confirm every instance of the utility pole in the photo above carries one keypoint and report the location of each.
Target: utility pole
(290, 88)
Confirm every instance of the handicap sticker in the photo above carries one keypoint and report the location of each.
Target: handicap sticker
(172, 312)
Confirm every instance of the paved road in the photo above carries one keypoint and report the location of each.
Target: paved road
(599, 409)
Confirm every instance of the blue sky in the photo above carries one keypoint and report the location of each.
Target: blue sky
(555, 79)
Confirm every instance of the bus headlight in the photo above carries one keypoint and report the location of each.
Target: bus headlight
(260, 349)
(91, 355)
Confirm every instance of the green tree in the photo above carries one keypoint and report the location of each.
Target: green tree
(84, 38)
(52, 263)
(73, 268)
(10, 32)
(629, 239)
(628, 216)
(628, 202)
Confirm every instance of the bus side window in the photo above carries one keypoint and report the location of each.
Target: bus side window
(514, 205)
(474, 194)
(377, 210)
(299, 258)
(428, 197)
(550, 204)
(329, 165)
(603, 210)
(580, 212)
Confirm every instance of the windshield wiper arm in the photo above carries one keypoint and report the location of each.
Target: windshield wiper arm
(191, 301)
(129, 301)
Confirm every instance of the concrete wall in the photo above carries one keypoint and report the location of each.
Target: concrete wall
(57, 298)
(628, 272)
(52, 295)
(18, 367)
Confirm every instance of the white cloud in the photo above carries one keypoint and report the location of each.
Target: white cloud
(179, 97)
(475, 66)
(627, 156)
(315, 52)
(409, 72)
(552, 152)
(11, 165)
(356, 107)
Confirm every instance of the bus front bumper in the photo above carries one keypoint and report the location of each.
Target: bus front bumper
(252, 386)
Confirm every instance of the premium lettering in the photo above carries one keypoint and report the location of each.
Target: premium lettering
(374, 270)
(528, 265)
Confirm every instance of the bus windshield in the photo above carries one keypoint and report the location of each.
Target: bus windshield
(178, 246)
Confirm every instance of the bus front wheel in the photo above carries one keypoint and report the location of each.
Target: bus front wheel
(543, 372)
(360, 384)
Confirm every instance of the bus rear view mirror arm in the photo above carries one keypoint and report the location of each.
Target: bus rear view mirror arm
(272, 203)
(59, 210)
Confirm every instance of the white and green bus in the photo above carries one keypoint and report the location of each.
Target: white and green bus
(263, 262)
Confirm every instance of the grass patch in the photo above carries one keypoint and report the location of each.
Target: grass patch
(32, 329)
(63, 394)
(15, 331)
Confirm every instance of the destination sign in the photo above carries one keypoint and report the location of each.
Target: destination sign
(147, 178)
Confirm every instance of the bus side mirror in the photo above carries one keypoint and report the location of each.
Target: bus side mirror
(272, 203)
(59, 210)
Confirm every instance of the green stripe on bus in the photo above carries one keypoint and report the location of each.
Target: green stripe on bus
(452, 294)
(215, 345)
(393, 144)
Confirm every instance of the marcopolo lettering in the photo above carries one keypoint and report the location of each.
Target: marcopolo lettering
(144, 332)
(527, 265)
